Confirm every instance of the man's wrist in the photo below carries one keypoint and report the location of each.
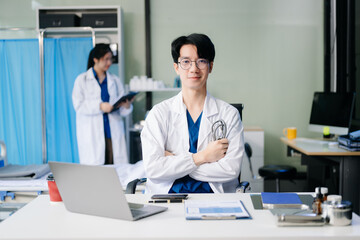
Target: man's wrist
(199, 158)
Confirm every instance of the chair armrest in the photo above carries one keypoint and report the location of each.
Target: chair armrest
(131, 186)
(241, 188)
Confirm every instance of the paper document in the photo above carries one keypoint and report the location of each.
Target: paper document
(215, 210)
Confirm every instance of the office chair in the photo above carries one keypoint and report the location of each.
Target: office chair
(248, 152)
(239, 107)
(276, 172)
(131, 186)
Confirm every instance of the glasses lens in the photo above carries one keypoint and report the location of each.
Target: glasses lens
(201, 63)
(185, 64)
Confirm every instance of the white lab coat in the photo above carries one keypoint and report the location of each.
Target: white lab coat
(86, 98)
(166, 128)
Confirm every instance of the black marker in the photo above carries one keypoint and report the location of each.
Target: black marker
(167, 201)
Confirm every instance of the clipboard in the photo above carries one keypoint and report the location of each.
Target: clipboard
(128, 96)
(215, 210)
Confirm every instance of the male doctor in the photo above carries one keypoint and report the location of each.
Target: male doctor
(179, 153)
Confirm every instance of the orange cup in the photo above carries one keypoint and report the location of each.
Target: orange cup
(290, 132)
(53, 189)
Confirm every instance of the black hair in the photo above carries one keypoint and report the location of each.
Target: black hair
(205, 48)
(97, 52)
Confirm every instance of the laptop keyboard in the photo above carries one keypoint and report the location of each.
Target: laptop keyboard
(140, 211)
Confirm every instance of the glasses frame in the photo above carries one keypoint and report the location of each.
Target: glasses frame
(196, 63)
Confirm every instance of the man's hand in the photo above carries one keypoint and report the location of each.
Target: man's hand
(106, 107)
(212, 153)
(167, 153)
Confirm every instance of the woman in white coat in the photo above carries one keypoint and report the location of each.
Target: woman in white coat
(99, 129)
(179, 153)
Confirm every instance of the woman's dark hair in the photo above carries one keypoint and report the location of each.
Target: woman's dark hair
(97, 52)
(205, 48)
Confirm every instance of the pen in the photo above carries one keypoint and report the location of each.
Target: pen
(167, 201)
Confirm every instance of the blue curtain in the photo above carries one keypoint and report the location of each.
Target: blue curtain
(65, 59)
(20, 101)
(20, 97)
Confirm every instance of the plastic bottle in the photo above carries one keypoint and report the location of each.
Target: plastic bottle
(317, 202)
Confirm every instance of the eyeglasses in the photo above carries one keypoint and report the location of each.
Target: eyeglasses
(201, 63)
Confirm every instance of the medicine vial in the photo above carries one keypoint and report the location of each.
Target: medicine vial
(318, 201)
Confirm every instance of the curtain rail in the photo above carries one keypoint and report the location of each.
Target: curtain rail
(69, 30)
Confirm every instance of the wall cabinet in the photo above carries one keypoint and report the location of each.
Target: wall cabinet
(103, 22)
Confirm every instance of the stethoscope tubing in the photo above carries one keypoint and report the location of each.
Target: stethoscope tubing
(214, 129)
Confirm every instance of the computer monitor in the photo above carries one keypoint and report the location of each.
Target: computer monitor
(333, 110)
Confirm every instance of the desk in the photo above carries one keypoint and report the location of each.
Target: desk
(42, 220)
(318, 156)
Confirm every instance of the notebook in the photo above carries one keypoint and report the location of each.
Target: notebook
(272, 200)
(96, 190)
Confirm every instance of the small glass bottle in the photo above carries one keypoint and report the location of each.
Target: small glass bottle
(324, 192)
(317, 202)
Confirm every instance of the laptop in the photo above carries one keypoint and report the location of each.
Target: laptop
(96, 190)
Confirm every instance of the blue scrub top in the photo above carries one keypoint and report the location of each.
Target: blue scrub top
(187, 184)
(105, 97)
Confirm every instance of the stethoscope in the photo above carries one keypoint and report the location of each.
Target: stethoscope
(218, 130)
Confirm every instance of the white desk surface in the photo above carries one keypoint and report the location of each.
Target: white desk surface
(313, 147)
(41, 219)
